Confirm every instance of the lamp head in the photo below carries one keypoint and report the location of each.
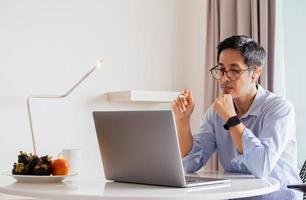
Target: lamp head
(98, 65)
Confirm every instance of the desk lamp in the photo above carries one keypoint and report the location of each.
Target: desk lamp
(95, 67)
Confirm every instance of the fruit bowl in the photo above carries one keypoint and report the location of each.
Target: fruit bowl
(39, 179)
(32, 166)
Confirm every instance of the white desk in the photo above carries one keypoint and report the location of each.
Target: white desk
(95, 187)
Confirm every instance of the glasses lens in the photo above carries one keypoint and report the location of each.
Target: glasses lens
(233, 75)
(217, 73)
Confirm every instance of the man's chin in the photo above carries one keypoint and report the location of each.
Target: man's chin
(227, 91)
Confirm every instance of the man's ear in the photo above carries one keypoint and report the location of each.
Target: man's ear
(256, 73)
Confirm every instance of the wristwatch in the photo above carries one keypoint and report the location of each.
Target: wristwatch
(233, 121)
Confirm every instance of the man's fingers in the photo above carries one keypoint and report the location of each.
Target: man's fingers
(189, 96)
(186, 95)
(180, 104)
(176, 106)
(185, 92)
(183, 99)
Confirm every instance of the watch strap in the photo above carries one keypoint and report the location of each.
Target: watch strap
(232, 121)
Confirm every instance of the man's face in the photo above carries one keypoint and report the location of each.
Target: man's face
(231, 59)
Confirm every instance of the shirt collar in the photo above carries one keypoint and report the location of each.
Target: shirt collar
(255, 107)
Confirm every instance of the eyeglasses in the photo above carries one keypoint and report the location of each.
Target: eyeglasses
(218, 72)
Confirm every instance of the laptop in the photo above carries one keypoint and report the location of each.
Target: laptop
(142, 147)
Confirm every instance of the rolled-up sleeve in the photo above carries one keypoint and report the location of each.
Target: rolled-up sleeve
(260, 154)
(204, 145)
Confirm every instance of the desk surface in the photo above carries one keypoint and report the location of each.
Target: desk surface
(96, 187)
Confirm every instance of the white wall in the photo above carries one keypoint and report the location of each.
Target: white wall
(45, 46)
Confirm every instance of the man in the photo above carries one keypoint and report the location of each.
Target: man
(252, 130)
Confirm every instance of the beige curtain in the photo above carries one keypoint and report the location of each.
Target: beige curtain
(255, 18)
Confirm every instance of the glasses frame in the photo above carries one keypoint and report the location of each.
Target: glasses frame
(239, 72)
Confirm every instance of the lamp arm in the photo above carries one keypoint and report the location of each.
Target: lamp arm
(96, 66)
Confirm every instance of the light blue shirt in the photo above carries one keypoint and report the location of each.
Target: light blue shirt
(268, 141)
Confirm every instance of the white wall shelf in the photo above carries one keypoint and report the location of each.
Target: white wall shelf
(141, 95)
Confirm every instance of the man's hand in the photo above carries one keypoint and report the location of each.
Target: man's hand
(224, 106)
(183, 105)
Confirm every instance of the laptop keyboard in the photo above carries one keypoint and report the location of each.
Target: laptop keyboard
(198, 179)
(194, 179)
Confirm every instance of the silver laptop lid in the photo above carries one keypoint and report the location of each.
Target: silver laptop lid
(139, 147)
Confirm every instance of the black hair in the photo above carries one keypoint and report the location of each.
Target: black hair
(252, 52)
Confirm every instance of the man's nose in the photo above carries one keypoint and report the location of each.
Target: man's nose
(225, 78)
